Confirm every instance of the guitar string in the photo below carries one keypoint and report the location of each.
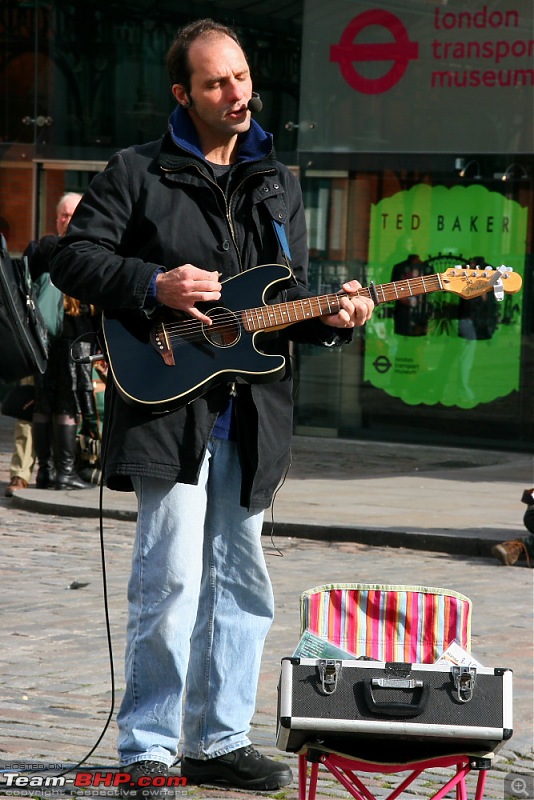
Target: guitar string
(193, 328)
(415, 283)
(261, 310)
(227, 321)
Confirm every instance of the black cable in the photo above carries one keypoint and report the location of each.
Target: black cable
(275, 547)
(103, 451)
(107, 622)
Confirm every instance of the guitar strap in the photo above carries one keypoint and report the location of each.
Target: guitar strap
(282, 238)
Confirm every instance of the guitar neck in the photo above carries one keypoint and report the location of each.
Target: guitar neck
(280, 315)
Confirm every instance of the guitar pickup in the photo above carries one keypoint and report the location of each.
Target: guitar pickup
(160, 342)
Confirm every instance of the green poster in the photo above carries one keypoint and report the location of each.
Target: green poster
(438, 347)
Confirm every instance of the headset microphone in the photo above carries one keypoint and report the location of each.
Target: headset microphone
(254, 104)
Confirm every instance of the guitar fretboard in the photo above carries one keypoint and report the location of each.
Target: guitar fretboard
(282, 314)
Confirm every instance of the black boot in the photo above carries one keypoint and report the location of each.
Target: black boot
(66, 476)
(42, 442)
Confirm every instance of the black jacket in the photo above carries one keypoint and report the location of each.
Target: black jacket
(158, 205)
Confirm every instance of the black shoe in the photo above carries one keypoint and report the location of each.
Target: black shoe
(243, 769)
(147, 770)
(71, 481)
(45, 478)
(67, 477)
(42, 442)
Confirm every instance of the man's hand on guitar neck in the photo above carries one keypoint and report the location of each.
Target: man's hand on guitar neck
(184, 286)
(355, 309)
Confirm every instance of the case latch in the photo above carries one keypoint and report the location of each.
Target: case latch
(329, 670)
(464, 681)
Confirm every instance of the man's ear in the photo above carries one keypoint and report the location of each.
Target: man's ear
(181, 95)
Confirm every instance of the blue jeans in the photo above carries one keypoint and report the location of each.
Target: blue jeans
(200, 606)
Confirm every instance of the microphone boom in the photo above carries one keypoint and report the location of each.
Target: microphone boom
(255, 104)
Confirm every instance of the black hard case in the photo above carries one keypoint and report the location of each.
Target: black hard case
(23, 336)
(415, 707)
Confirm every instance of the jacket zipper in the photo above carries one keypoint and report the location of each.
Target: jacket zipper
(229, 211)
(227, 203)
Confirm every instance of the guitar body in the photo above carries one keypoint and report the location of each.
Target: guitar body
(202, 360)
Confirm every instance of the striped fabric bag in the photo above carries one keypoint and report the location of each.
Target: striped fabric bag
(412, 624)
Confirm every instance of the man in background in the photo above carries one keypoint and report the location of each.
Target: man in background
(23, 456)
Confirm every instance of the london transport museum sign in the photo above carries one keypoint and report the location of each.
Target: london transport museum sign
(417, 77)
(457, 79)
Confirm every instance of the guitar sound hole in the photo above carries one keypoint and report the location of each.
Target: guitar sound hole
(224, 330)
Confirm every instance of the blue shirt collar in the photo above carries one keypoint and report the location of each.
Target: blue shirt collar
(252, 145)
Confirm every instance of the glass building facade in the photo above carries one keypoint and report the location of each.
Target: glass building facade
(80, 80)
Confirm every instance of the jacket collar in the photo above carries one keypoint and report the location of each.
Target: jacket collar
(253, 145)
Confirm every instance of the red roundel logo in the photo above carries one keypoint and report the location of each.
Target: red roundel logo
(348, 53)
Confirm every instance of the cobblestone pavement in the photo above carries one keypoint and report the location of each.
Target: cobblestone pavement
(55, 686)
(56, 690)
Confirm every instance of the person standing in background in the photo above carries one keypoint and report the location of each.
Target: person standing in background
(23, 456)
(57, 402)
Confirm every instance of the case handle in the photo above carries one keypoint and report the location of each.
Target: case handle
(393, 708)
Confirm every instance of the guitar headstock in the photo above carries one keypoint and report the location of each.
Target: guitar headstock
(470, 283)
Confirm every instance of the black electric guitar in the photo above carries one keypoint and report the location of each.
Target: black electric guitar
(167, 362)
